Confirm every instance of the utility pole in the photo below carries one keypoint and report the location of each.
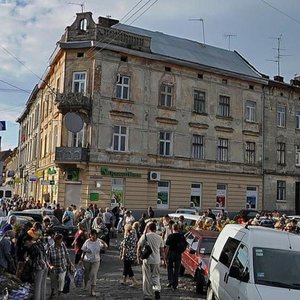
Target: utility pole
(203, 31)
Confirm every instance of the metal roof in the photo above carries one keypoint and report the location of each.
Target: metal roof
(195, 52)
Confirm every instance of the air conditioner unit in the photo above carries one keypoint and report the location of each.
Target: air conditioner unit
(154, 176)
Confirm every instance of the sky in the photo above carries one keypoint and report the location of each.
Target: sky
(30, 29)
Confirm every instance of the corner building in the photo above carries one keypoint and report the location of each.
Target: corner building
(147, 119)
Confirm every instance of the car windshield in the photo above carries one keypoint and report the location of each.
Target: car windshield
(274, 267)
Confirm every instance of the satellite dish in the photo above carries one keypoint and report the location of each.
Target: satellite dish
(73, 122)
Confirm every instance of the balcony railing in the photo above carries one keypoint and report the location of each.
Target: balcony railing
(73, 101)
(71, 154)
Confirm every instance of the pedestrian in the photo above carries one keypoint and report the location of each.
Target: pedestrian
(91, 259)
(10, 224)
(176, 244)
(129, 218)
(150, 212)
(36, 253)
(68, 217)
(128, 254)
(150, 266)
(59, 261)
(7, 262)
(80, 237)
(58, 213)
(87, 221)
(3, 210)
(142, 223)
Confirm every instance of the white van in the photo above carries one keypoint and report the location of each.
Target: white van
(6, 193)
(254, 263)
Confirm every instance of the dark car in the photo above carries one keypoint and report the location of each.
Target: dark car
(194, 260)
(21, 220)
(245, 215)
(68, 232)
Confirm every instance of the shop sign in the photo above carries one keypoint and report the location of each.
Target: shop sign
(32, 178)
(106, 172)
(94, 196)
(40, 174)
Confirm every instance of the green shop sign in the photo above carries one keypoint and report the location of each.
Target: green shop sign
(106, 172)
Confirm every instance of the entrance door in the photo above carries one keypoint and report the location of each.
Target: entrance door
(72, 194)
(297, 198)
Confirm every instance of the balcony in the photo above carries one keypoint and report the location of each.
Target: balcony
(71, 154)
(73, 102)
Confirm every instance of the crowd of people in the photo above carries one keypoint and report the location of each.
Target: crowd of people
(36, 251)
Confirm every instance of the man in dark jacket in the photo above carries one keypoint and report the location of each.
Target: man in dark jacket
(7, 262)
(176, 244)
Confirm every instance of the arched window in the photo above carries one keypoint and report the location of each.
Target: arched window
(83, 24)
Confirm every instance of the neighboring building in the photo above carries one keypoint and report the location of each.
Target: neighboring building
(3, 156)
(282, 145)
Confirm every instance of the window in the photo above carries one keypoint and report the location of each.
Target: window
(228, 251)
(298, 119)
(55, 137)
(196, 194)
(250, 153)
(76, 139)
(250, 111)
(199, 102)
(166, 95)
(197, 147)
(281, 116)
(281, 153)
(123, 87)
(221, 195)
(224, 106)
(83, 24)
(222, 150)
(281, 190)
(298, 155)
(251, 197)
(165, 143)
(120, 139)
(79, 82)
(117, 191)
(163, 192)
(241, 262)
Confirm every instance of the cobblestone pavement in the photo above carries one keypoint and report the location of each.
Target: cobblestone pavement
(109, 287)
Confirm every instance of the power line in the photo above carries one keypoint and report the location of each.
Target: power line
(280, 11)
(14, 86)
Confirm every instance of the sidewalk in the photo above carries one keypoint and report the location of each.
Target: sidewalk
(109, 287)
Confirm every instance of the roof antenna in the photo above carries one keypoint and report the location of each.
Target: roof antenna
(81, 4)
(203, 32)
(279, 55)
(229, 36)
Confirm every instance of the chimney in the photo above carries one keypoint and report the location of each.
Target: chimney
(295, 81)
(107, 22)
(278, 78)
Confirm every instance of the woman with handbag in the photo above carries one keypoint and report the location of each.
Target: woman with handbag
(91, 259)
(80, 237)
(128, 254)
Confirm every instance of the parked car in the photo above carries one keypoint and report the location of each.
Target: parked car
(247, 214)
(194, 260)
(254, 263)
(187, 210)
(189, 220)
(67, 232)
(21, 220)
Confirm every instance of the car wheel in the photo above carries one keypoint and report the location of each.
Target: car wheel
(210, 294)
(199, 283)
(181, 270)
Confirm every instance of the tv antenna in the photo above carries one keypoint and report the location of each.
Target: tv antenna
(81, 4)
(203, 31)
(229, 36)
(278, 51)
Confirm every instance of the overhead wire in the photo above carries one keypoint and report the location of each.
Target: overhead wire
(14, 86)
(280, 11)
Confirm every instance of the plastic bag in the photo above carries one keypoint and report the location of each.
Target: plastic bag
(78, 277)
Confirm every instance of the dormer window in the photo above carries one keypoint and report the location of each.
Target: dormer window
(83, 24)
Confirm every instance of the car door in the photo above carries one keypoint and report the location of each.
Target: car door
(237, 278)
(194, 256)
(220, 272)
